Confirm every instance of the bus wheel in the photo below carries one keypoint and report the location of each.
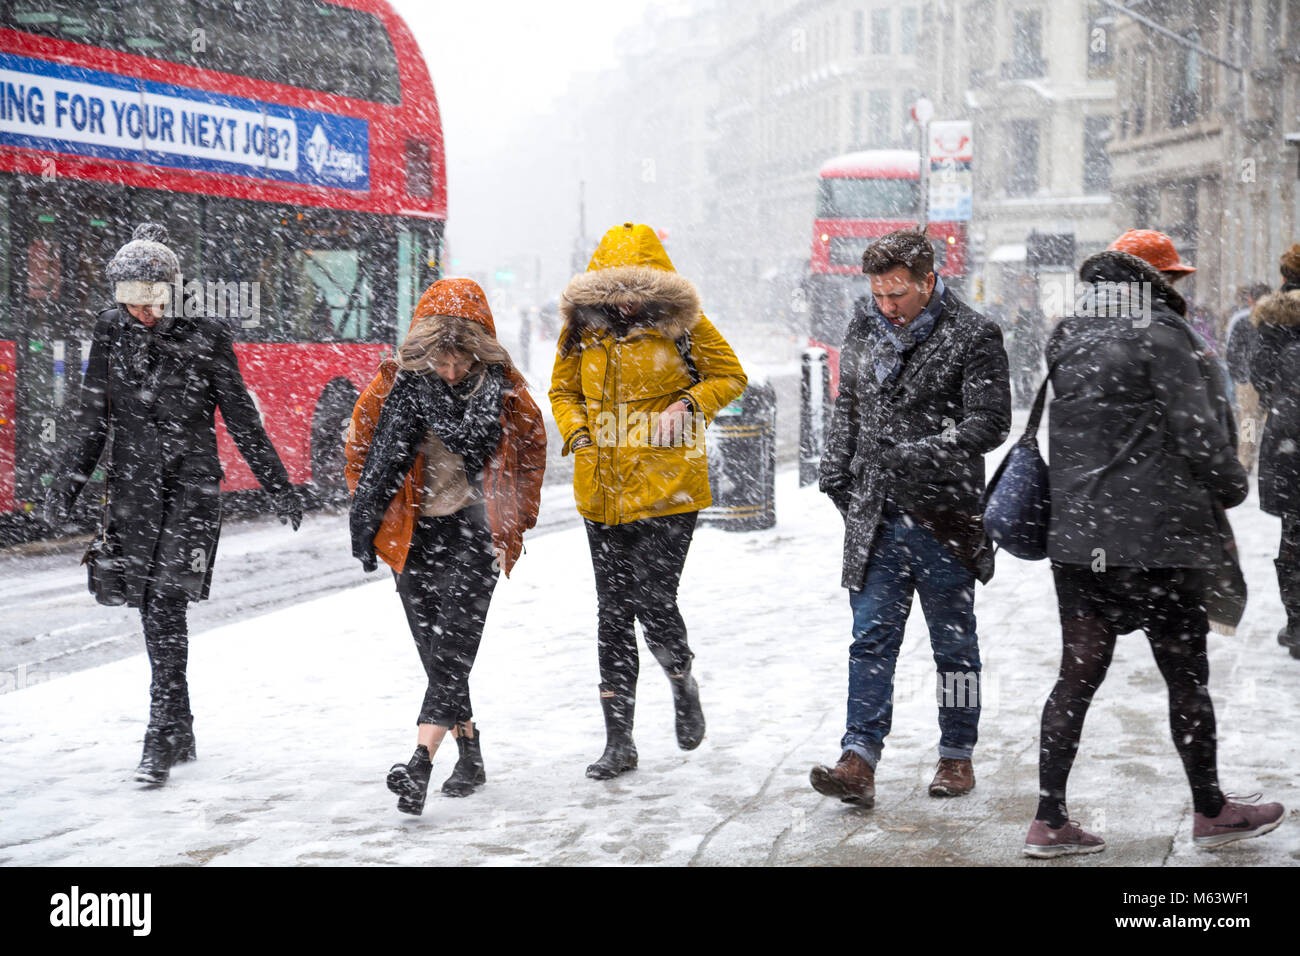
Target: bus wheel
(333, 413)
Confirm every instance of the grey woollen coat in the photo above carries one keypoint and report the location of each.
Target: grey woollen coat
(950, 404)
(163, 473)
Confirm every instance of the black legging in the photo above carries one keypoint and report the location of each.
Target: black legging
(446, 587)
(166, 637)
(638, 566)
(1097, 607)
(1289, 549)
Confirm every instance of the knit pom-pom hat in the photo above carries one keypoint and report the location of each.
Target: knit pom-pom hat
(143, 269)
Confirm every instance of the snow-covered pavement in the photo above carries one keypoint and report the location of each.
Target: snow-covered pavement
(300, 712)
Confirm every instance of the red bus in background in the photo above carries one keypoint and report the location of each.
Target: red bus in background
(293, 149)
(861, 196)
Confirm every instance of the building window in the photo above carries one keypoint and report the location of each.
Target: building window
(1096, 160)
(859, 33)
(1101, 24)
(878, 131)
(855, 121)
(880, 39)
(1140, 96)
(1026, 47)
(1185, 93)
(1022, 170)
(907, 30)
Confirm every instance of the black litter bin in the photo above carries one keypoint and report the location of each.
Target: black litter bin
(742, 462)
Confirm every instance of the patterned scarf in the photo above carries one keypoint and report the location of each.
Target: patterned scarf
(897, 340)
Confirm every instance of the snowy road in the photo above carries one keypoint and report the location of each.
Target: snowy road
(51, 626)
(300, 712)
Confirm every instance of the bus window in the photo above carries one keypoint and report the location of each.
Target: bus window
(43, 270)
(234, 48)
(417, 269)
(181, 214)
(96, 229)
(868, 198)
(80, 21)
(334, 295)
(163, 30)
(242, 269)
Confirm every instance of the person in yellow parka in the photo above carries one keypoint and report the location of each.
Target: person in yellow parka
(639, 373)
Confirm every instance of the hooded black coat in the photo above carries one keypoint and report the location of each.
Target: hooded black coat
(950, 404)
(160, 390)
(1275, 372)
(1142, 443)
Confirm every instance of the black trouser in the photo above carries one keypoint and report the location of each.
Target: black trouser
(638, 566)
(446, 587)
(1096, 607)
(1288, 551)
(166, 637)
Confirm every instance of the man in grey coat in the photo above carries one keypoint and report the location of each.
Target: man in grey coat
(924, 394)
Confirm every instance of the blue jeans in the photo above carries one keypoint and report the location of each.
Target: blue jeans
(906, 557)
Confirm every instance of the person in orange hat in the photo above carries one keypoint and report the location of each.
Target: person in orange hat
(1157, 250)
(443, 491)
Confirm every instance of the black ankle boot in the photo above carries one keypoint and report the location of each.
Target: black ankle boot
(410, 781)
(620, 752)
(468, 775)
(1288, 580)
(156, 761)
(686, 707)
(185, 749)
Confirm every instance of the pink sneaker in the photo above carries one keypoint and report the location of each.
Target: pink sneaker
(1044, 843)
(1238, 820)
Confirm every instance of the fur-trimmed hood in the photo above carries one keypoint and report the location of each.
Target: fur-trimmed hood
(630, 265)
(1278, 308)
(669, 303)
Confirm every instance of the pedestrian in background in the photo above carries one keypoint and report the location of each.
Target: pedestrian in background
(1275, 372)
(638, 372)
(1142, 464)
(1243, 338)
(153, 383)
(1028, 335)
(445, 457)
(924, 394)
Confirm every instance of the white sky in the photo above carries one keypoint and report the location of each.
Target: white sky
(494, 66)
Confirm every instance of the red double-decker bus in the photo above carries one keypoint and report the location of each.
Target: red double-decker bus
(294, 150)
(861, 196)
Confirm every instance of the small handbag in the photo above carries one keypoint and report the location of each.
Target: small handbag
(1017, 504)
(105, 565)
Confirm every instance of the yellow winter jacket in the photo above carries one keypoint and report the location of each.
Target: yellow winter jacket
(615, 387)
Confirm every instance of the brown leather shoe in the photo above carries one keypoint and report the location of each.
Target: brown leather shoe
(953, 778)
(852, 780)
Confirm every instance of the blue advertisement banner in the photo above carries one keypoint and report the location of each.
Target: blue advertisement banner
(68, 109)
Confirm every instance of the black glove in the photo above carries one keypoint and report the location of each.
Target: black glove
(369, 562)
(58, 506)
(288, 506)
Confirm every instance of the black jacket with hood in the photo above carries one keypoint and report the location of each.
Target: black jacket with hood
(1275, 372)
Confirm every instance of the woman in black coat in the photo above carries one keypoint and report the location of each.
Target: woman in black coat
(153, 383)
(1275, 373)
(1143, 462)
